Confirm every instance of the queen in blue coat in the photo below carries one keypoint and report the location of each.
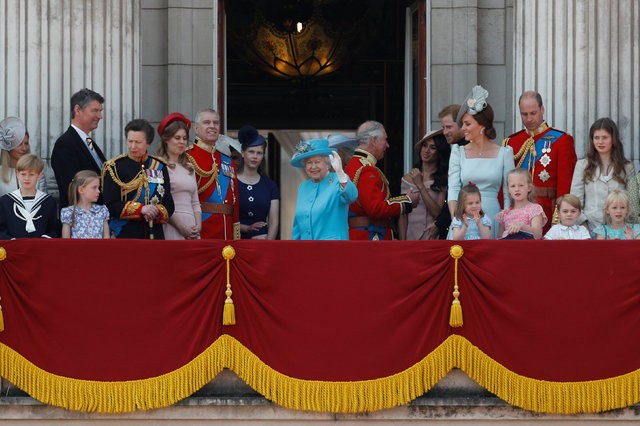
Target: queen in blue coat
(323, 200)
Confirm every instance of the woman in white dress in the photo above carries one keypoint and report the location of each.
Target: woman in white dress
(186, 220)
(482, 161)
(604, 169)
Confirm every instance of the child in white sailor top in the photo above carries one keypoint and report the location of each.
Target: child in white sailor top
(28, 212)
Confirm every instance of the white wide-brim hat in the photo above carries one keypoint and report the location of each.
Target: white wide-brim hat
(12, 131)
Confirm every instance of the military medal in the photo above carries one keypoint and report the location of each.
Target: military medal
(545, 159)
(544, 176)
(227, 170)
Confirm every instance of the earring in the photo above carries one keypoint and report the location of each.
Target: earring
(482, 131)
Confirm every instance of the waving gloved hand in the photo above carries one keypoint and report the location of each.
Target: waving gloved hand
(336, 163)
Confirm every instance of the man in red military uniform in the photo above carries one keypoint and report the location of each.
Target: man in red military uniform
(547, 153)
(216, 178)
(370, 215)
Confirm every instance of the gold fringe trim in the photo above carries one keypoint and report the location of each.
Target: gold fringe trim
(336, 397)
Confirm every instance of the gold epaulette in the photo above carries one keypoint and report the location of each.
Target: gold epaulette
(112, 161)
(505, 141)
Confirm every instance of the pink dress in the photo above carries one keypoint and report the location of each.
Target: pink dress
(420, 224)
(184, 191)
(523, 215)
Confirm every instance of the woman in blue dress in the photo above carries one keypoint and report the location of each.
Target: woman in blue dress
(482, 161)
(323, 201)
(259, 196)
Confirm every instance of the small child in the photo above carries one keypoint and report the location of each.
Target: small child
(84, 218)
(569, 209)
(469, 221)
(616, 213)
(28, 212)
(524, 219)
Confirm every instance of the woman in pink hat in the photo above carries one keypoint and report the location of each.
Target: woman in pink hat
(186, 221)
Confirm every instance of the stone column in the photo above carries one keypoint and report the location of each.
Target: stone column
(583, 59)
(52, 49)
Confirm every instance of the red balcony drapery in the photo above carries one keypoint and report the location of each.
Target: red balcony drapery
(334, 326)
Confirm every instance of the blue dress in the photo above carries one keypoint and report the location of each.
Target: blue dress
(473, 233)
(616, 234)
(255, 202)
(88, 223)
(322, 209)
(488, 174)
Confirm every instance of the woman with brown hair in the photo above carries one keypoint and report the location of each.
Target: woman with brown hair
(482, 161)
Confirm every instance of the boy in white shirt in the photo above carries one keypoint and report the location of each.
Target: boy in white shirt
(569, 210)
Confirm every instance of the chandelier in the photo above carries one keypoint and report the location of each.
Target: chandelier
(295, 39)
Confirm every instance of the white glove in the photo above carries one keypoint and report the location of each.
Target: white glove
(336, 163)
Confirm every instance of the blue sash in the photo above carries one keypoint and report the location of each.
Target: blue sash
(550, 137)
(219, 193)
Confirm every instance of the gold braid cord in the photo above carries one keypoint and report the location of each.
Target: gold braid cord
(135, 184)
(212, 174)
(527, 146)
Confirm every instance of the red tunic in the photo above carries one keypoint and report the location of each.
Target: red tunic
(217, 191)
(552, 175)
(370, 216)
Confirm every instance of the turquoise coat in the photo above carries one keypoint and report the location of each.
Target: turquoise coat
(322, 209)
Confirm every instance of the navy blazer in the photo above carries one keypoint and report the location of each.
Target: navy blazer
(70, 155)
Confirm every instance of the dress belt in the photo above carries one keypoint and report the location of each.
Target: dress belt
(364, 221)
(217, 208)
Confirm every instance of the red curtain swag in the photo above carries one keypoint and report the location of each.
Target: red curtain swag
(351, 326)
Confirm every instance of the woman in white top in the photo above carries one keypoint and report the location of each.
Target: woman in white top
(604, 169)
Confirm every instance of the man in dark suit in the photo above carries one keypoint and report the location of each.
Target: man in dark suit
(75, 150)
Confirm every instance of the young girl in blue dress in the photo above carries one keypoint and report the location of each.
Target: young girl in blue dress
(84, 218)
(469, 221)
(616, 215)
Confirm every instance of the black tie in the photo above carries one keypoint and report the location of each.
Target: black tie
(90, 142)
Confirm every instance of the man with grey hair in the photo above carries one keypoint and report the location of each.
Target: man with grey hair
(370, 216)
(216, 179)
(76, 150)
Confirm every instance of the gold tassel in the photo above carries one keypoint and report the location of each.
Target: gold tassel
(1, 320)
(229, 310)
(555, 218)
(455, 317)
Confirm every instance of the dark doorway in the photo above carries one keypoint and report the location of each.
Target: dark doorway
(369, 85)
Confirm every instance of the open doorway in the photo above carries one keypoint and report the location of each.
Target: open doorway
(370, 82)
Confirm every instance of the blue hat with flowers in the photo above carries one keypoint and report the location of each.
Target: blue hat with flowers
(310, 148)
